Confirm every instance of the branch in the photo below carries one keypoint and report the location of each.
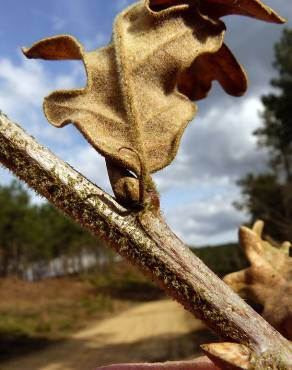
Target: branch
(147, 242)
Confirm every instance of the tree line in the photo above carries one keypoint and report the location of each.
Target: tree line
(35, 234)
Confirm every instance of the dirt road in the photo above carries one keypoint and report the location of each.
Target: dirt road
(155, 331)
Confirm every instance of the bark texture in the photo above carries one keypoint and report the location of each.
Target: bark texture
(146, 241)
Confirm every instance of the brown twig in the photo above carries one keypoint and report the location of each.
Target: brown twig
(147, 242)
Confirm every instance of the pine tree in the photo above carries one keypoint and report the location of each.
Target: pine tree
(269, 196)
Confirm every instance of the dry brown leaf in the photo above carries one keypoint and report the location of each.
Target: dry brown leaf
(219, 8)
(138, 98)
(196, 81)
(229, 355)
(268, 281)
(131, 111)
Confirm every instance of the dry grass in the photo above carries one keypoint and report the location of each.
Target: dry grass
(34, 315)
(55, 308)
(51, 308)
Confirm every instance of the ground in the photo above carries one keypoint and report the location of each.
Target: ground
(154, 331)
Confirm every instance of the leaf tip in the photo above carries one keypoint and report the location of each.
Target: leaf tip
(25, 52)
(231, 356)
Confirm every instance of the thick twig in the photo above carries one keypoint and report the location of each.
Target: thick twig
(148, 243)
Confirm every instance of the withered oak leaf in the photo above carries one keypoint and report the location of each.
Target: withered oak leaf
(219, 8)
(141, 88)
(268, 281)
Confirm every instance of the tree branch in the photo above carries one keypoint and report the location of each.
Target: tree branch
(147, 242)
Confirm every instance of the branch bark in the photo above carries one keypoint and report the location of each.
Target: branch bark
(147, 242)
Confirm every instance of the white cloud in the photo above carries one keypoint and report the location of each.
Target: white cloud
(22, 89)
(23, 86)
(217, 149)
(26, 81)
(207, 221)
(218, 146)
(91, 164)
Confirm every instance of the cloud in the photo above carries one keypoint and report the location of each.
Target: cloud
(26, 81)
(218, 146)
(199, 188)
(210, 220)
(91, 164)
(23, 85)
(221, 143)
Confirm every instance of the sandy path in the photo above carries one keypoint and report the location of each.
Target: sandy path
(153, 331)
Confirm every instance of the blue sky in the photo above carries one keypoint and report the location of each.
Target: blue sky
(198, 189)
